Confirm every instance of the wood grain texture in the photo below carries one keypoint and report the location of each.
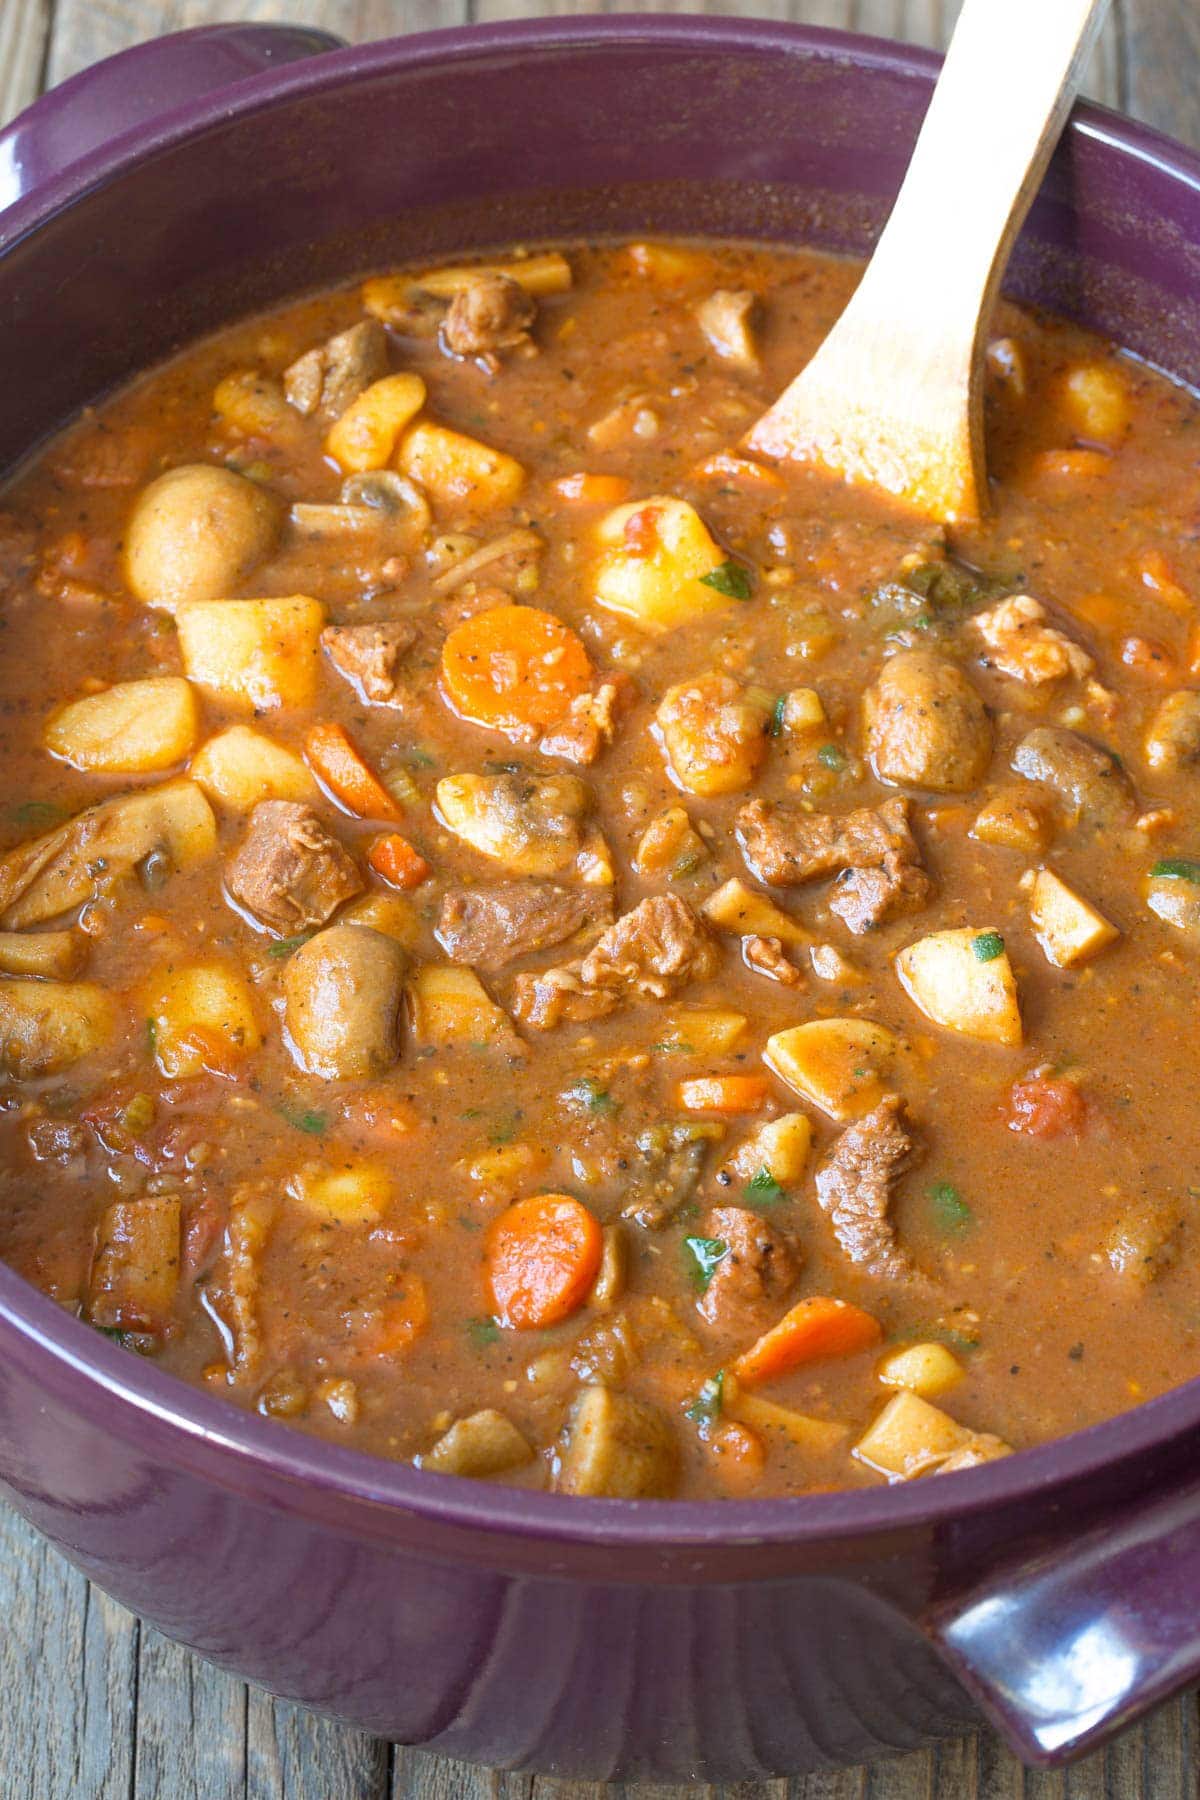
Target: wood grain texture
(96, 1707)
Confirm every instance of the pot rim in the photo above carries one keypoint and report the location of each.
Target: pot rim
(137, 1394)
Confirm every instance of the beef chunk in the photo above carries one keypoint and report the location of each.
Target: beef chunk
(368, 655)
(855, 1189)
(765, 956)
(588, 725)
(289, 872)
(1084, 775)
(653, 950)
(328, 378)
(665, 1173)
(557, 997)
(490, 927)
(489, 313)
(874, 849)
(726, 317)
(57, 1140)
(752, 1279)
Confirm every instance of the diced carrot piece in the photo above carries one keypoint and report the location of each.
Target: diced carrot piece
(738, 1456)
(334, 760)
(722, 1093)
(1071, 465)
(542, 1256)
(398, 862)
(814, 1328)
(404, 1318)
(582, 489)
(513, 669)
(1158, 575)
(724, 466)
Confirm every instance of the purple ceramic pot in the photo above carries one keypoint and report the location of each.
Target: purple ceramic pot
(175, 188)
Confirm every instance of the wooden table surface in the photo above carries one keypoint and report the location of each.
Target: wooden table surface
(96, 1706)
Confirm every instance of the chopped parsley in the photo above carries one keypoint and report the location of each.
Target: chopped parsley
(987, 946)
(587, 1095)
(763, 1188)
(505, 1128)
(705, 1254)
(315, 1123)
(830, 757)
(1176, 868)
(482, 1331)
(152, 1036)
(950, 1210)
(285, 946)
(775, 728)
(730, 578)
(706, 1407)
(37, 815)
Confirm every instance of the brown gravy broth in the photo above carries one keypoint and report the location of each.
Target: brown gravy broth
(377, 1255)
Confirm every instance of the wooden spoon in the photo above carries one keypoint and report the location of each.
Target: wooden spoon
(893, 397)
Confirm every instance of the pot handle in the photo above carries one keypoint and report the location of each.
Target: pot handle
(1066, 1649)
(148, 81)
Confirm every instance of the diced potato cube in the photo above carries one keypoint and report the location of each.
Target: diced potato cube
(909, 1438)
(831, 964)
(670, 845)
(135, 1265)
(503, 1170)
(1015, 819)
(202, 1018)
(654, 556)
(354, 1193)
(781, 1147)
(618, 1448)
(803, 712)
(241, 766)
(54, 955)
(46, 1026)
(807, 1433)
(594, 862)
(450, 1005)
(980, 1447)
(366, 435)
(714, 734)
(702, 1030)
(131, 728)
(1068, 927)
(255, 653)
(745, 912)
(964, 981)
(841, 1065)
(256, 406)
(459, 474)
(669, 265)
(1097, 398)
(392, 914)
(484, 1443)
(926, 1369)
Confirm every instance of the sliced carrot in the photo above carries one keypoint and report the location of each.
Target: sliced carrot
(334, 760)
(398, 862)
(1071, 465)
(582, 489)
(403, 1319)
(541, 1257)
(514, 669)
(814, 1328)
(722, 1093)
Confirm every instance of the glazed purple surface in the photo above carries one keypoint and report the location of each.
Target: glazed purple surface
(580, 1637)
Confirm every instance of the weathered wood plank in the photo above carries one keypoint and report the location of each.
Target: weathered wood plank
(24, 38)
(291, 1753)
(184, 1703)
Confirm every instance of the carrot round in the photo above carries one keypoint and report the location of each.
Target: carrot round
(514, 669)
(334, 760)
(398, 862)
(403, 1319)
(541, 1256)
(814, 1328)
(722, 1093)
(582, 489)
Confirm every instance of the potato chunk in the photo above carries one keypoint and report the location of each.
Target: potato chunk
(135, 1264)
(484, 1443)
(461, 476)
(1096, 396)
(195, 533)
(618, 1448)
(1068, 927)
(530, 823)
(714, 734)
(357, 1192)
(203, 1019)
(780, 1147)
(132, 728)
(366, 435)
(52, 955)
(841, 1065)
(46, 1026)
(655, 555)
(1173, 735)
(52, 874)
(1014, 818)
(254, 653)
(964, 980)
(450, 1005)
(909, 1438)
(925, 1369)
(744, 912)
(241, 766)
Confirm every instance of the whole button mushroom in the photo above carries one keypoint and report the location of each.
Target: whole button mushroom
(925, 725)
(195, 532)
(342, 994)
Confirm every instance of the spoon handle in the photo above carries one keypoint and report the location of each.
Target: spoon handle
(893, 397)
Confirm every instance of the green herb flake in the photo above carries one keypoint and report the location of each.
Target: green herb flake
(37, 815)
(706, 1407)
(705, 1254)
(987, 946)
(1176, 868)
(285, 946)
(830, 757)
(775, 728)
(672, 1047)
(730, 578)
(950, 1211)
(587, 1095)
(505, 1128)
(152, 1036)
(482, 1331)
(314, 1123)
(686, 865)
(763, 1188)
